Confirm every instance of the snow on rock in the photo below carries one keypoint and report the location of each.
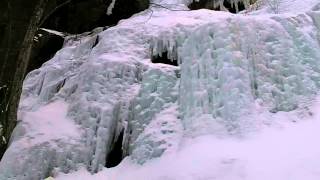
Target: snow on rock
(284, 6)
(273, 62)
(39, 144)
(287, 152)
(49, 122)
(163, 133)
(237, 74)
(53, 32)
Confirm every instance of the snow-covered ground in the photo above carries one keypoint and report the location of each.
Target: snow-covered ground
(242, 104)
(287, 152)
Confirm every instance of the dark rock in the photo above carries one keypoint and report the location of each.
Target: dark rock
(163, 58)
(45, 45)
(115, 155)
(214, 5)
(18, 23)
(124, 9)
(203, 4)
(77, 16)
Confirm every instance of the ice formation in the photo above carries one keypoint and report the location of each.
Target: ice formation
(219, 4)
(111, 6)
(235, 73)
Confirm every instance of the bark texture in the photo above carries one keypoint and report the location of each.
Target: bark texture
(18, 25)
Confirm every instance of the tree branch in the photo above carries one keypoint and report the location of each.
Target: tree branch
(162, 6)
(53, 11)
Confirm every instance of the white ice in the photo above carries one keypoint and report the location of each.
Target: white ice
(286, 151)
(208, 118)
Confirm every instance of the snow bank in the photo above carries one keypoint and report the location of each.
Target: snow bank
(39, 143)
(289, 151)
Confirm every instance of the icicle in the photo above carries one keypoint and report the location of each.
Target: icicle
(236, 6)
(221, 5)
(246, 4)
(165, 46)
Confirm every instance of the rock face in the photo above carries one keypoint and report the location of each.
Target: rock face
(76, 16)
(45, 45)
(19, 23)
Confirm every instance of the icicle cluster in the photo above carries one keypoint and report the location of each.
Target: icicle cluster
(165, 43)
(226, 68)
(234, 3)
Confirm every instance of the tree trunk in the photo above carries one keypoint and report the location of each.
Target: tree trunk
(19, 25)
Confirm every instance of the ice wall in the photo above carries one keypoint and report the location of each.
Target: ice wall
(226, 68)
(231, 69)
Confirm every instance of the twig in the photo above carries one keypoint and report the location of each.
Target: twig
(53, 11)
(162, 6)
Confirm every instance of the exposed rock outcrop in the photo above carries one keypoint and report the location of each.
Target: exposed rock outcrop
(92, 13)
(45, 45)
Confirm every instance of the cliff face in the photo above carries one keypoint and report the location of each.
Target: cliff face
(19, 53)
(79, 16)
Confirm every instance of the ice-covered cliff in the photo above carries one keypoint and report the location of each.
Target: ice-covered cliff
(105, 96)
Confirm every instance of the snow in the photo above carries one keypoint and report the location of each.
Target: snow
(161, 134)
(241, 104)
(50, 122)
(285, 6)
(43, 133)
(287, 151)
(53, 32)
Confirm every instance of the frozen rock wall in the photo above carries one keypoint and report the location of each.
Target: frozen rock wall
(227, 68)
(231, 69)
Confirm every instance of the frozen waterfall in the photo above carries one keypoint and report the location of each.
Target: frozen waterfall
(236, 74)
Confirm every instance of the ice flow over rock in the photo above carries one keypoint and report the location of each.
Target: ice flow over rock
(232, 69)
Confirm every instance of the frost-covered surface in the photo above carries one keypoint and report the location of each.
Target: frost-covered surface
(238, 75)
(289, 151)
(284, 6)
(40, 144)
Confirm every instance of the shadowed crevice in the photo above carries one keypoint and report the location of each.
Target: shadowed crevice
(115, 155)
(163, 58)
(214, 5)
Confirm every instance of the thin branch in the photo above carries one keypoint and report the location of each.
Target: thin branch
(162, 6)
(53, 11)
(149, 16)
